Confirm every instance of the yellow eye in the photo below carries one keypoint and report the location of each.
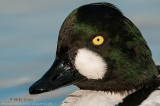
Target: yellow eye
(98, 40)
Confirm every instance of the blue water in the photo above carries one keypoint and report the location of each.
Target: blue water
(28, 40)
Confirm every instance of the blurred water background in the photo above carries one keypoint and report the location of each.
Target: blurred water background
(28, 40)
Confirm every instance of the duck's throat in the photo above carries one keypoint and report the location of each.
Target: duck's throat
(93, 98)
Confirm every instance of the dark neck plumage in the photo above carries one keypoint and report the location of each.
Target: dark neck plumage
(140, 95)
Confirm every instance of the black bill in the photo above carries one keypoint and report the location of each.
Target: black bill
(61, 73)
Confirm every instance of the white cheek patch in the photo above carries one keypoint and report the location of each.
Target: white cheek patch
(90, 64)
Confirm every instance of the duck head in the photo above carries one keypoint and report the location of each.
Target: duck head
(99, 49)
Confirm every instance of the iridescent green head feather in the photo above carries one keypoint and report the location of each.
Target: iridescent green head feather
(124, 49)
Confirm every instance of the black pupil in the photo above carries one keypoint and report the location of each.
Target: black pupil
(98, 39)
